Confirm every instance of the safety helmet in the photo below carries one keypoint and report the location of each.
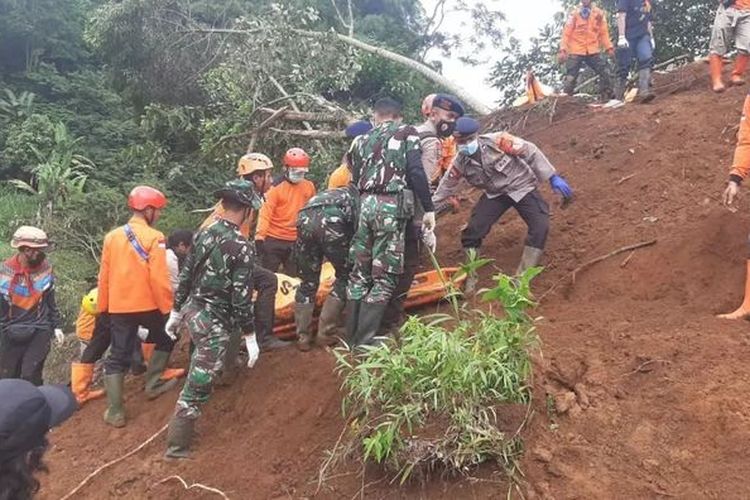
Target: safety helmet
(427, 105)
(253, 162)
(143, 197)
(89, 301)
(29, 236)
(296, 158)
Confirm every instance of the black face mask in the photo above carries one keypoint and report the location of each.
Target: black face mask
(38, 259)
(444, 128)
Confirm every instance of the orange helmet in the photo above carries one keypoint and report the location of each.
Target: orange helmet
(142, 197)
(427, 105)
(253, 162)
(296, 158)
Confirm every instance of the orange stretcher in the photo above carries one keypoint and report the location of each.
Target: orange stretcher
(427, 288)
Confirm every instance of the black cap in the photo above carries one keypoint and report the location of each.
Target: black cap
(27, 412)
(448, 103)
(466, 126)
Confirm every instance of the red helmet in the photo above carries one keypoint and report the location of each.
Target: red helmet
(427, 105)
(142, 197)
(296, 158)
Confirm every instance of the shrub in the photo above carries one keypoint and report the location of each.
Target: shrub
(434, 400)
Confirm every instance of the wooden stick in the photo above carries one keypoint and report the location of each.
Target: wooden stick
(644, 365)
(625, 179)
(610, 254)
(114, 462)
(627, 259)
(194, 485)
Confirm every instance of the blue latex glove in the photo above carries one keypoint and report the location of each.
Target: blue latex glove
(560, 186)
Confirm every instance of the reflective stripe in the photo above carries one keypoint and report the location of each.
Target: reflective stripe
(134, 242)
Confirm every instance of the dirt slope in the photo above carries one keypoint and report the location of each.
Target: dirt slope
(639, 392)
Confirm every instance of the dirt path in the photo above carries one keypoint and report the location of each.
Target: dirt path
(639, 392)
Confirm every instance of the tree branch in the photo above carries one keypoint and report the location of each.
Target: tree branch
(297, 116)
(311, 134)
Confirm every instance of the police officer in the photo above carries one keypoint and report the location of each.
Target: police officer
(387, 170)
(214, 298)
(509, 171)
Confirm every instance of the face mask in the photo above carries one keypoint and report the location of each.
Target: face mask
(38, 259)
(469, 148)
(295, 176)
(444, 128)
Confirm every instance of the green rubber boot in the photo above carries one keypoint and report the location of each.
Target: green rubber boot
(332, 310)
(155, 386)
(179, 437)
(115, 414)
(303, 315)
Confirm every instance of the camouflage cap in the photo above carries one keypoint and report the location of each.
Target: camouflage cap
(239, 191)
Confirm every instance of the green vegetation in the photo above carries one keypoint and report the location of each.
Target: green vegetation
(433, 401)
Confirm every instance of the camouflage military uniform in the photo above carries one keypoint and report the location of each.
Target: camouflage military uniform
(214, 296)
(379, 169)
(324, 231)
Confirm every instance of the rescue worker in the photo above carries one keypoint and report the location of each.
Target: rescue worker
(277, 221)
(256, 168)
(325, 227)
(213, 299)
(739, 172)
(387, 170)
(731, 23)
(635, 41)
(509, 171)
(585, 34)
(28, 312)
(342, 175)
(82, 373)
(441, 112)
(134, 290)
(179, 244)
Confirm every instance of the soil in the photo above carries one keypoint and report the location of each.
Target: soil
(638, 388)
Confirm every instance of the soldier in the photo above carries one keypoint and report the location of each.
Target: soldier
(387, 170)
(325, 227)
(213, 299)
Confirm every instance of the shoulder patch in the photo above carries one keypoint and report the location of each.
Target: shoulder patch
(509, 144)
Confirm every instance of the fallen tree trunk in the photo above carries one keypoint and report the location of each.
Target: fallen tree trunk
(300, 116)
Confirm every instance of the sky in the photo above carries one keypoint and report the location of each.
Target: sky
(525, 17)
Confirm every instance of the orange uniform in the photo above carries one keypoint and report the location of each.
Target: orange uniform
(741, 4)
(130, 282)
(340, 177)
(278, 215)
(85, 326)
(583, 37)
(741, 162)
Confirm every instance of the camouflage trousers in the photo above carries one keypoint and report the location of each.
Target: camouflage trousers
(377, 251)
(318, 238)
(210, 338)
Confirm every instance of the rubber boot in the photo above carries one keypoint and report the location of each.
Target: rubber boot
(328, 320)
(168, 373)
(148, 351)
(645, 94)
(620, 89)
(81, 375)
(715, 63)
(740, 65)
(352, 319)
(155, 386)
(529, 258)
(115, 414)
(303, 315)
(744, 310)
(179, 437)
(368, 324)
(569, 84)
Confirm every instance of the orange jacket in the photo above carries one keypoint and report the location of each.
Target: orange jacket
(741, 162)
(586, 36)
(128, 282)
(85, 326)
(278, 215)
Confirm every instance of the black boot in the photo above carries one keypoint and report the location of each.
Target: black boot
(370, 317)
(352, 318)
(328, 320)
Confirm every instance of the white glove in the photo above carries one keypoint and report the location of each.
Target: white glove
(622, 43)
(428, 221)
(430, 240)
(142, 333)
(253, 351)
(59, 336)
(173, 323)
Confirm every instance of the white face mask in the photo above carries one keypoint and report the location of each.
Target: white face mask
(296, 175)
(469, 148)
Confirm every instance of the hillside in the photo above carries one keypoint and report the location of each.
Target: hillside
(648, 387)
